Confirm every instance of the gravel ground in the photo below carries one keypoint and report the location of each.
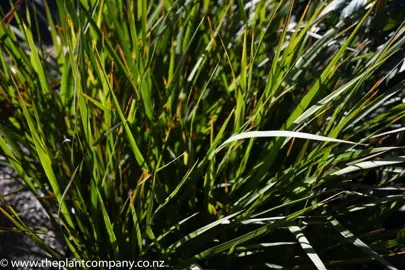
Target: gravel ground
(17, 246)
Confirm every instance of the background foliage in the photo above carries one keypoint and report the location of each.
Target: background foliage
(124, 127)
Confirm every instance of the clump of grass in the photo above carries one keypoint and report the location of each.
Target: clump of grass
(227, 134)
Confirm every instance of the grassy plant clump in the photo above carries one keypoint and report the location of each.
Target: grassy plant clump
(220, 134)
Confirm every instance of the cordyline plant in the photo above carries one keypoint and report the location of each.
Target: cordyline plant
(209, 134)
